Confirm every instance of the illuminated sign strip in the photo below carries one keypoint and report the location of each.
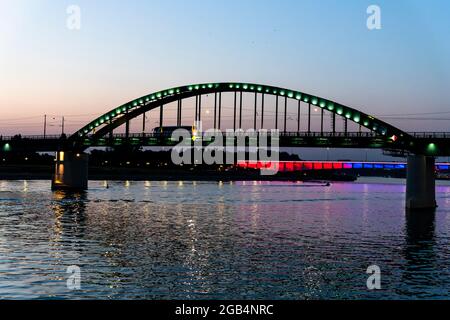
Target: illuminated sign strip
(291, 166)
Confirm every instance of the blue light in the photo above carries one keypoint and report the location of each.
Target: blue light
(368, 166)
(357, 166)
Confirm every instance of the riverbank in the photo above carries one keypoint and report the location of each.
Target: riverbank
(170, 174)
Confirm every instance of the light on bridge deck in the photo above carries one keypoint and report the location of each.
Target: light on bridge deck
(6, 147)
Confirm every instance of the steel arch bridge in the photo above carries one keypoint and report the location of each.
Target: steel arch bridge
(372, 133)
(135, 108)
(378, 133)
(71, 163)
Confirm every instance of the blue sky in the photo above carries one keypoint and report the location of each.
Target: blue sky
(126, 49)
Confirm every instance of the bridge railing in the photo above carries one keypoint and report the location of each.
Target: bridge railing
(32, 137)
(431, 135)
(426, 135)
(330, 134)
(281, 133)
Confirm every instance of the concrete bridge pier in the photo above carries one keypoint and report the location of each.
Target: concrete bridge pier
(71, 171)
(421, 183)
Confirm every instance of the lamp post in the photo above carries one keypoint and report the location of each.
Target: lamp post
(45, 126)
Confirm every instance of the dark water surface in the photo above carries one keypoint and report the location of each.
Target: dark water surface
(271, 240)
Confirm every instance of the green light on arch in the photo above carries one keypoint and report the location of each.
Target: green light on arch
(315, 100)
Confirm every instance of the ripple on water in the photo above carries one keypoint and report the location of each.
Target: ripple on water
(211, 241)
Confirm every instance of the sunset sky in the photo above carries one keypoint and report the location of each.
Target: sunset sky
(127, 49)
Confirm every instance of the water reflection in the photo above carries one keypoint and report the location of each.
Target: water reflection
(420, 248)
(160, 240)
(420, 237)
(420, 227)
(69, 223)
(70, 212)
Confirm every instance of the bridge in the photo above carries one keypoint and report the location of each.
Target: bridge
(271, 108)
(429, 143)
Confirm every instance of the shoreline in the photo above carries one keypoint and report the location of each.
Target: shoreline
(139, 174)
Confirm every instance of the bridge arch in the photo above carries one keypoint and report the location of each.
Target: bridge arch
(135, 108)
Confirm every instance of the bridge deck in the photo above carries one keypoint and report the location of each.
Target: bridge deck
(430, 143)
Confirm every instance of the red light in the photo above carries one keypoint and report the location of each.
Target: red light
(318, 166)
(337, 165)
(328, 166)
(308, 166)
(290, 166)
(252, 165)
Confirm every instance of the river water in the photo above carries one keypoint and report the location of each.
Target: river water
(206, 240)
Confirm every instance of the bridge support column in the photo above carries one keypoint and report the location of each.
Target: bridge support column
(421, 183)
(71, 171)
